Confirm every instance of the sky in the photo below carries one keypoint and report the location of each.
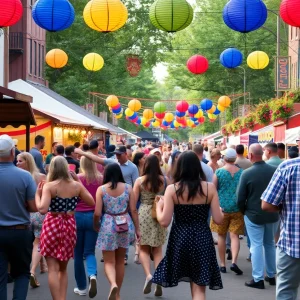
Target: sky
(160, 72)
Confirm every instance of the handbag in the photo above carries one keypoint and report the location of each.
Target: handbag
(121, 221)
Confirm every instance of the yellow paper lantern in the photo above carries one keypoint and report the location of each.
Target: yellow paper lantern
(105, 15)
(143, 121)
(224, 101)
(169, 117)
(128, 112)
(176, 124)
(119, 116)
(56, 58)
(134, 105)
(212, 110)
(212, 116)
(199, 114)
(148, 114)
(258, 60)
(190, 123)
(156, 124)
(93, 62)
(112, 101)
(221, 108)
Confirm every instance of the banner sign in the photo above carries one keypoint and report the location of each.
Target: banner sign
(266, 137)
(283, 73)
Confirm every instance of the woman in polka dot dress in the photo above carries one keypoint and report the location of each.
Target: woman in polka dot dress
(190, 255)
(58, 199)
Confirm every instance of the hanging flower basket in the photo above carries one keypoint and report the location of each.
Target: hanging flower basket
(282, 109)
(249, 121)
(224, 130)
(263, 113)
(236, 124)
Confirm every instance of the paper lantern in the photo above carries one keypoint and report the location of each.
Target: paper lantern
(138, 122)
(217, 112)
(134, 105)
(159, 116)
(231, 58)
(112, 101)
(206, 104)
(169, 117)
(179, 114)
(11, 12)
(128, 112)
(212, 109)
(117, 109)
(190, 123)
(290, 12)
(160, 107)
(211, 116)
(182, 106)
(193, 109)
(197, 64)
(199, 114)
(221, 108)
(171, 15)
(148, 114)
(165, 123)
(224, 101)
(134, 116)
(93, 62)
(119, 116)
(53, 15)
(155, 123)
(258, 60)
(143, 121)
(105, 15)
(201, 120)
(245, 15)
(176, 124)
(56, 58)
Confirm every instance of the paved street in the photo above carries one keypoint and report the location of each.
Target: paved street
(234, 288)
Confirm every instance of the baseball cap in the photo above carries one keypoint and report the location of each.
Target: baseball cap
(229, 153)
(94, 144)
(6, 143)
(111, 148)
(120, 150)
(155, 150)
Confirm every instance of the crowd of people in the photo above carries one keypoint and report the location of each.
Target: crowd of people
(87, 197)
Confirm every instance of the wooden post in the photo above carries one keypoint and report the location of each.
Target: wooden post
(27, 136)
(6, 56)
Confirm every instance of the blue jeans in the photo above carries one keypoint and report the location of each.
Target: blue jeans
(85, 247)
(262, 238)
(288, 279)
(15, 247)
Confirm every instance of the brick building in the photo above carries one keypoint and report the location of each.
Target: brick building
(27, 48)
(294, 47)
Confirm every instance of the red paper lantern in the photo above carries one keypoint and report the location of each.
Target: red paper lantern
(159, 116)
(197, 64)
(10, 13)
(182, 106)
(290, 12)
(201, 120)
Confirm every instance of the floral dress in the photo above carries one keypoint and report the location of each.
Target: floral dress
(109, 239)
(36, 221)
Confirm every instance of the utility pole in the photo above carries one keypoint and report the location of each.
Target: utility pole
(6, 56)
(278, 53)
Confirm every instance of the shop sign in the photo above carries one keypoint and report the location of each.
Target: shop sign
(283, 72)
(266, 137)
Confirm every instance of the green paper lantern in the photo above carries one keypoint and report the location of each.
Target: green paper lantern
(171, 15)
(159, 107)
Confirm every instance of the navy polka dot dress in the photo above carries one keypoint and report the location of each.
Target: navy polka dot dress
(190, 255)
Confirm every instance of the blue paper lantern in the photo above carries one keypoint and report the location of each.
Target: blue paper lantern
(194, 119)
(117, 110)
(206, 104)
(172, 125)
(193, 109)
(245, 15)
(133, 116)
(179, 114)
(231, 58)
(217, 112)
(53, 15)
(138, 122)
(165, 123)
(196, 123)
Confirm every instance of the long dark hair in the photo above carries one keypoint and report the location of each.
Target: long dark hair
(113, 174)
(152, 173)
(189, 174)
(137, 157)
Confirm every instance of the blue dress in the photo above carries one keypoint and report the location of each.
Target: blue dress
(109, 239)
(190, 255)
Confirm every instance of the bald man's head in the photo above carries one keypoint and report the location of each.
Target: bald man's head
(256, 150)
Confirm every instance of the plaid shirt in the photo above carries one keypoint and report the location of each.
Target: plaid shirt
(284, 189)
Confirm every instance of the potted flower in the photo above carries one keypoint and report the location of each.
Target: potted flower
(224, 130)
(236, 124)
(263, 113)
(282, 109)
(249, 121)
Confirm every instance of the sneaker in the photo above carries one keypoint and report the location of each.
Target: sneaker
(271, 280)
(158, 291)
(93, 286)
(80, 292)
(236, 269)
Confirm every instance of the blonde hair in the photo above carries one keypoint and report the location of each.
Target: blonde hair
(58, 169)
(30, 164)
(90, 171)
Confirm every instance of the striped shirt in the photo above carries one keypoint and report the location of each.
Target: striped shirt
(284, 189)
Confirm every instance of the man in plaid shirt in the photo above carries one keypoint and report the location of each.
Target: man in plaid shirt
(283, 194)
